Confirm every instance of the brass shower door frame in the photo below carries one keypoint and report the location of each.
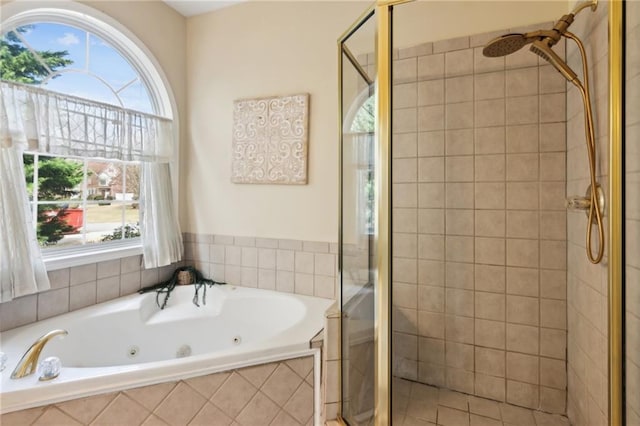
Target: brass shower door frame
(382, 336)
(382, 10)
(615, 270)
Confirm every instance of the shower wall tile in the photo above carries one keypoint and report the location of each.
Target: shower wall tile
(459, 62)
(430, 92)
(522, 82)
(522, 138)
(482, 64)
(430, 143)
(489, 85)
(404, 146)
(405, 70)
(459, 142)
(430, 67)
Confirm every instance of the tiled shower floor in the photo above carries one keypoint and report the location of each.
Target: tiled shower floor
(415, 404)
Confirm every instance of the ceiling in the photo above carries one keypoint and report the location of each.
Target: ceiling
(191, 8)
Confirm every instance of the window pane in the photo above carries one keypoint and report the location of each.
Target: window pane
(59, 179)
(105, 221)
(59, 225)
(108, 64)
(83, 86)
(131, 184)
(136, 97)
(49, 37)
(19, 64)
(29, 168)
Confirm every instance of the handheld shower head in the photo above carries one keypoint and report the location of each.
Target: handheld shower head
(542, 49)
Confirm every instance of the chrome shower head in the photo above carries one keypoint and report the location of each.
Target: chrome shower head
(505, 45)
(542, 49)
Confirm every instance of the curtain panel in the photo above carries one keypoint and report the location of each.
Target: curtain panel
(37, 120)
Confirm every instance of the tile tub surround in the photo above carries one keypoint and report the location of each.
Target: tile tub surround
(331, 364)
(479, 226)
(82, 286)
(587, 288)
(292, 266)
(279, 393)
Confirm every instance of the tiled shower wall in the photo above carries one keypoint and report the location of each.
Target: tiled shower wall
(279, 393)
(479, 226)
(632, 215)
(587, 283)
(293, 266)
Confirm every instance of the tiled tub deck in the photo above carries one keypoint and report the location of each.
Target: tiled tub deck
(278, 393)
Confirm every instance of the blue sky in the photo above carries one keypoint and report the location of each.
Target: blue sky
(100, 59)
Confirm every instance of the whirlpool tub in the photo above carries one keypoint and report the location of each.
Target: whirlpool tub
(130, 342)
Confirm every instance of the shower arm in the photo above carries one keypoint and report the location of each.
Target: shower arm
(595, 213)
(593, 4)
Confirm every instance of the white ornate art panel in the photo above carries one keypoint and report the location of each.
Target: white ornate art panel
(270, 140)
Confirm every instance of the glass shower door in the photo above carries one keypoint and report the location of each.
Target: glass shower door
(357, 226)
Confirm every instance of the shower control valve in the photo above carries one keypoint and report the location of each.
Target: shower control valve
(576, 202)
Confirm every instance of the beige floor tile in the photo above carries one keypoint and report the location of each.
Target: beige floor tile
(413, 421)
(418, 409)
(483, 421)
(517, 415)
(422, 410)
(484, 407)
(424, 392)
(450, 417)
(546, 419)
(453, 399)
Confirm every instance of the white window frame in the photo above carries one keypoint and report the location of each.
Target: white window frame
(16, 14)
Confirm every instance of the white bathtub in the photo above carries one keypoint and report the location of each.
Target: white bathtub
(237, 327)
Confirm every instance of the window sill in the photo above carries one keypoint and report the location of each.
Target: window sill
(70, 257)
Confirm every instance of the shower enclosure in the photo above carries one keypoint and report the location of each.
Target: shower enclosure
(469, 292)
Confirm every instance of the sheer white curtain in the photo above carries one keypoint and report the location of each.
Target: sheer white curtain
(158, 219)
(41, 121)
(22, 270)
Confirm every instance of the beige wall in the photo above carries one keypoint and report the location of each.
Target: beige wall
(423, 21)
(237, 53)
(254, 50)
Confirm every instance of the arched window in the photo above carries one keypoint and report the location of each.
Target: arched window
(82, 202)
